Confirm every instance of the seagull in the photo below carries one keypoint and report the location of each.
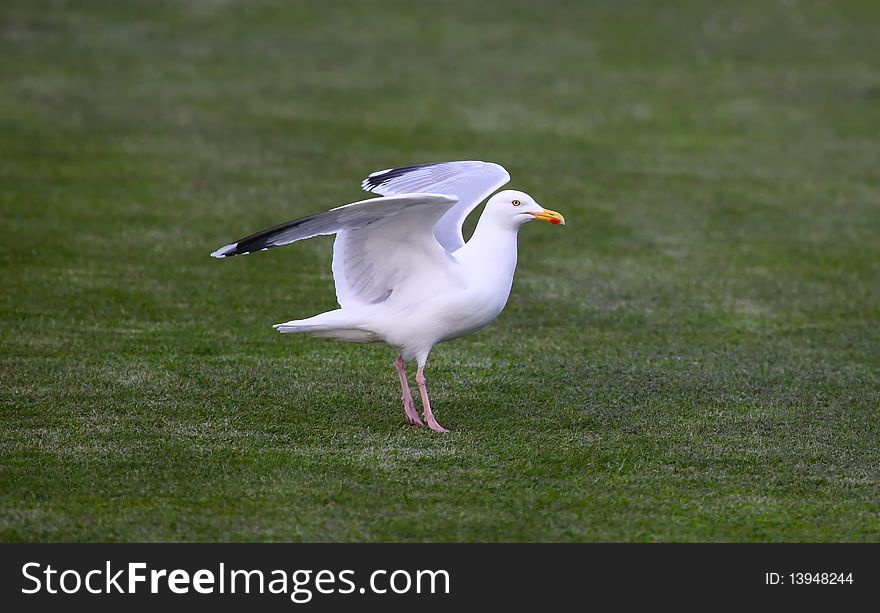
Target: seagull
(403, 273)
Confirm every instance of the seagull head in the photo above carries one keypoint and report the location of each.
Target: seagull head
(513, 208)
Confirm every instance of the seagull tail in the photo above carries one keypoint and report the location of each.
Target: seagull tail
(336, 324)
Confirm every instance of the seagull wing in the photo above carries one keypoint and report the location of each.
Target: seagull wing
(381, 243)
(470, 182)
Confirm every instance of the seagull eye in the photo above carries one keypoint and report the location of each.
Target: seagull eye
(516, 203)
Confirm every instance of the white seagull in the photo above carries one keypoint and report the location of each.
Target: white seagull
(403, 273)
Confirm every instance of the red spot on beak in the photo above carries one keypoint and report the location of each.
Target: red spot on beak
(555, 222)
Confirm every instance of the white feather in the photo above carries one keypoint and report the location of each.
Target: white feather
(470, 182)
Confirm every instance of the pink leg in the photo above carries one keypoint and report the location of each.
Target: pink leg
(426, 404)
(412, 416)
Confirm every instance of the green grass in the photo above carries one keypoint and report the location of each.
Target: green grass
(695, 356)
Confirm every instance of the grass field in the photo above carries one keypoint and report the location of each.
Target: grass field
(694, 357)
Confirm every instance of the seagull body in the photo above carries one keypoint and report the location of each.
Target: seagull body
(403, 273)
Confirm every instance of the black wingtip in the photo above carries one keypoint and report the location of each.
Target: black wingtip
(225, 251)
(382, 177)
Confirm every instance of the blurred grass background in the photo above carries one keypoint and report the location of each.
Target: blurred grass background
(693, 357)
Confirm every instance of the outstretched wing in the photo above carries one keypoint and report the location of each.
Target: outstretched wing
(381, 243)
(470, 182)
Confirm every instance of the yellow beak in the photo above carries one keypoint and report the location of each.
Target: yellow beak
(548, 215)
